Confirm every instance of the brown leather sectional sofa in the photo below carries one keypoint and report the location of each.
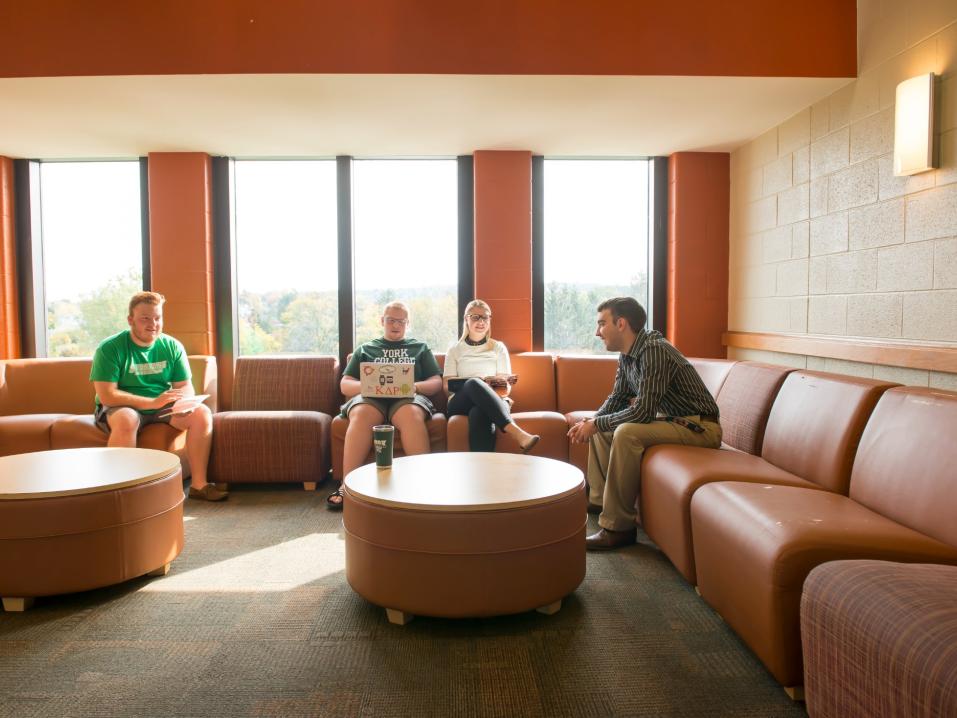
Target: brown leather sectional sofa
(48, 404)
(754, 544)
(815, 466)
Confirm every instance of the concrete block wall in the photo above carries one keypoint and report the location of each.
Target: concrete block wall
(824, 239)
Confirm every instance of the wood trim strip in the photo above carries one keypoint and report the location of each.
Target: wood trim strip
(930, 356)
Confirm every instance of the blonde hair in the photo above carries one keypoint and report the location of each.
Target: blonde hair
(397, 305)
(478, 303)
(154, 298)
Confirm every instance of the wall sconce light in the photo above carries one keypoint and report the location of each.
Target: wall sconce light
(914, 126)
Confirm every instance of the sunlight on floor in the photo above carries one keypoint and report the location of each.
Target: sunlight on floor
(281, 567)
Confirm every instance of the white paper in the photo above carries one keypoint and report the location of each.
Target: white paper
(184, 405)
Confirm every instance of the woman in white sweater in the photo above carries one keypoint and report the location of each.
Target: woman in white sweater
(473, 366)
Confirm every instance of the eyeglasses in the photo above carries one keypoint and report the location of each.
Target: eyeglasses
(396, 322)
(478, 318)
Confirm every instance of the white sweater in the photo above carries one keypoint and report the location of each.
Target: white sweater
(465, 361)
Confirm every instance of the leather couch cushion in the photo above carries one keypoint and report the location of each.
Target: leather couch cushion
(745, 400)
(906, 463)
(713, 372)
(535, 388)
(584, 382)
(75, 432)
(23, 434)
(549, 425)
(43, 386)
(816, 423)
(670, 476)
(754, 545)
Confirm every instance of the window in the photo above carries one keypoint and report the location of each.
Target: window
(286, 249)
(596, 228)
(91, 235)
(405, 246)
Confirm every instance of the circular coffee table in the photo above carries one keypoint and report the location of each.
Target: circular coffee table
(77, 519)
(465, 534)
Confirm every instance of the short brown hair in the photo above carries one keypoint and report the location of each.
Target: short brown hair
(627, 308)
(154, 298)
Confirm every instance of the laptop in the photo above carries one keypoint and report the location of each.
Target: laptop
(386, 381)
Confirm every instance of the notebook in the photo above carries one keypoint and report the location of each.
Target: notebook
(386, 381)
(183, 406)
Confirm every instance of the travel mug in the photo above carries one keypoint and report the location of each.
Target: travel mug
(382, 437)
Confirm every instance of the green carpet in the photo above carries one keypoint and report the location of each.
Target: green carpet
(256, 619)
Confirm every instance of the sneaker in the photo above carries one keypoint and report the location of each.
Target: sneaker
(208, 493)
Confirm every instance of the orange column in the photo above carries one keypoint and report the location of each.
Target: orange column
(503, 243)
(9, 313)
(698, 206)
(181, 245)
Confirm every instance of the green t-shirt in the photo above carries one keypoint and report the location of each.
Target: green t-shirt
(144, 371)
(407, 351)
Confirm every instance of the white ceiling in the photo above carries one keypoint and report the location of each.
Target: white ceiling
(392, 115)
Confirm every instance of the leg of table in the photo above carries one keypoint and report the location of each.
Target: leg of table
(400, 618)
(13, 604)
(551, 608)
(795, 693)
(309, 485)
(161, 571)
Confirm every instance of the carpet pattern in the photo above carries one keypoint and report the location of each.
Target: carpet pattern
(256, 619)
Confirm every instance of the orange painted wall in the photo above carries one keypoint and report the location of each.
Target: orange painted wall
(181, 251)
(503, 243)
(610, 37)
(698, 206)
(9, 313)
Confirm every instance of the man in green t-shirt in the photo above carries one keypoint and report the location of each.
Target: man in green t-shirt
(140, 371)
(407, 415)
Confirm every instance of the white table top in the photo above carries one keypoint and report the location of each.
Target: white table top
(462, 481)
(66, 472)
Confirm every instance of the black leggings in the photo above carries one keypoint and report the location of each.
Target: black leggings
(485, 410)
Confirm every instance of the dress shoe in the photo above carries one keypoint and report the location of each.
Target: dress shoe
(605, 539)
(208, 493)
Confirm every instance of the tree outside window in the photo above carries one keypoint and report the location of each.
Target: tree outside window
(596, 245)
(92, 251)
(405, 227)
(286, 249)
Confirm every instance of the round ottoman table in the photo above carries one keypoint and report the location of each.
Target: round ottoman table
(465, 534)
(76, 519)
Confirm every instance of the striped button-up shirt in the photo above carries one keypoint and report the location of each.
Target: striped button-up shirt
(653, 378)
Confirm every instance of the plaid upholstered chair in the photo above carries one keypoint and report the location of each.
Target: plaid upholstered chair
(278, 429)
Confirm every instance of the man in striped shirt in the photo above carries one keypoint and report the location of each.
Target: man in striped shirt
(658, 398)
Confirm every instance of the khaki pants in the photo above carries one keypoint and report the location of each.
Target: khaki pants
(614, 464)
